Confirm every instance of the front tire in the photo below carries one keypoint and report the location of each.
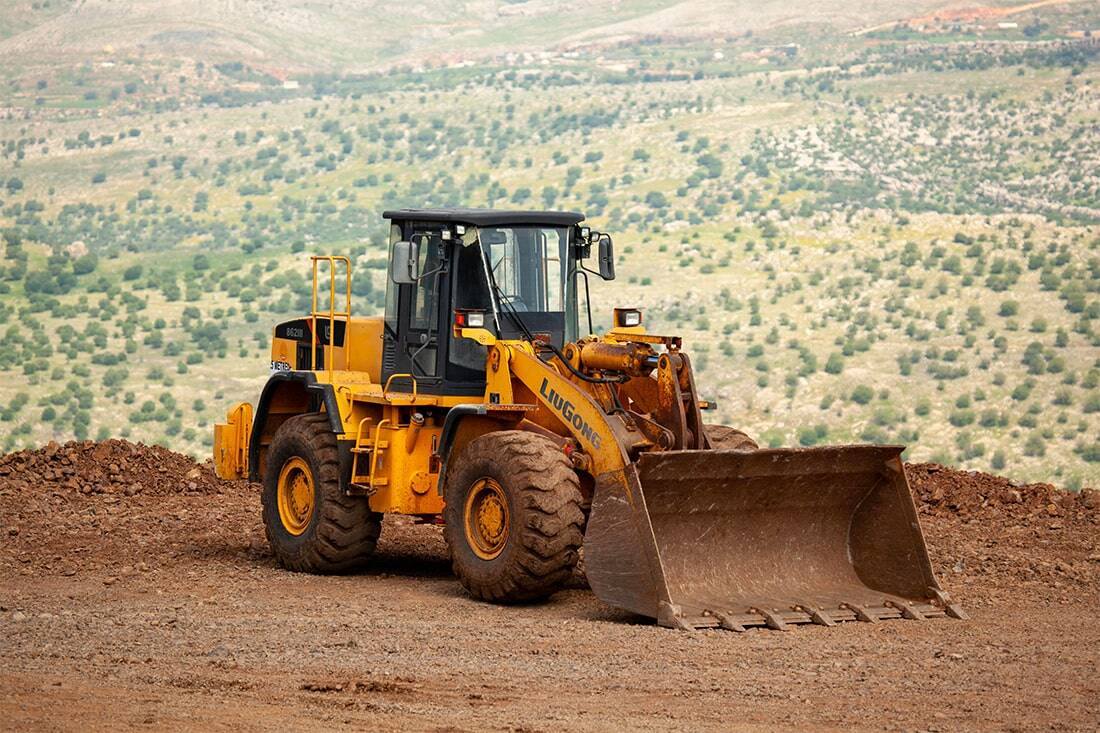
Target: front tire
(311, 524)
(514, 517)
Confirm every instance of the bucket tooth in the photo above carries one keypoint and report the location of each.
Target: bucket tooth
(772, 619)
(955, 611)
(862, 613)
(727, 621)
(671, 616)
(951, 609)
(907, 610)
(820, 617)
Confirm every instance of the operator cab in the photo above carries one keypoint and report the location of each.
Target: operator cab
(516, 270)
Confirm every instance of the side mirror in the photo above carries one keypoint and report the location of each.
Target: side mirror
(405, 263)
(605, 257)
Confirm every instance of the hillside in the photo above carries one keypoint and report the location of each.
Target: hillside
(353, 36)
(886, 237)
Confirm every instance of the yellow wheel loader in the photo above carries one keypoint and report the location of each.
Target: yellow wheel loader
(477, 401)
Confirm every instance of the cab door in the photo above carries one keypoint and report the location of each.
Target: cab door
(412, 334)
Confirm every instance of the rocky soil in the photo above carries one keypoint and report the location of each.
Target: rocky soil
(137, 591)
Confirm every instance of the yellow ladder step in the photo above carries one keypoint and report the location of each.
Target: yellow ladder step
(381, 445)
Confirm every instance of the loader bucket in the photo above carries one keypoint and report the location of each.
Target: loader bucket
(769, 538)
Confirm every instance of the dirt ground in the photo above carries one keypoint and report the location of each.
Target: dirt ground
(136, 591)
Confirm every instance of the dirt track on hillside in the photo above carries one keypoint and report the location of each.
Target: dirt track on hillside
(137, 591)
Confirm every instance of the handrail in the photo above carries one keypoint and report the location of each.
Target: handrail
(331, 314)
(359, 432)
(384, 423)
(358, 447)
(410, 377)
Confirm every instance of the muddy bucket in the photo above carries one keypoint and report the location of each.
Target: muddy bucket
(764, 538)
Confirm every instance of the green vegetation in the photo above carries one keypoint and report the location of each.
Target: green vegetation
(861, 239)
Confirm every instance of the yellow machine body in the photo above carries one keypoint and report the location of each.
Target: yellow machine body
(676, 530)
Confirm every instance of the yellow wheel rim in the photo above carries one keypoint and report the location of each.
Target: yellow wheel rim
(295, 495)
(486, 515)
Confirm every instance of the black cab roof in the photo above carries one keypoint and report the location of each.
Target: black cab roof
(486, 217)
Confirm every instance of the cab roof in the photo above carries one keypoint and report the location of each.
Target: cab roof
(486, 217)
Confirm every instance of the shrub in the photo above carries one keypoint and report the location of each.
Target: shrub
(772, 438)
(807, 436)
(1022, 392)
(862, 394)
(961, 418)
(1035, 446)
(835, 363)
(1009, 308)
(875, 434)
(84, 265)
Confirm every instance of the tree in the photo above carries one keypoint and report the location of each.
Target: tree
(656, 200)
(711, 164)
(862, 394)
(84, 265)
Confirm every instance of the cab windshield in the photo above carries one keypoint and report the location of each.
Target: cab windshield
(530, 267)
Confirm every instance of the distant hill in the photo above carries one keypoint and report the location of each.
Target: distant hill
(350, 35)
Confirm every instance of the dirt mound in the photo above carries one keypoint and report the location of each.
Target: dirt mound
(107, 467)
(122, 467)
(943, 491)
(113, 507)
(113, 504)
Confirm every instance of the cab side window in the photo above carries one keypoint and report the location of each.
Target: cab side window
(425, 311)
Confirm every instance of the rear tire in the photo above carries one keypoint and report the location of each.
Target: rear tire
(514, 517)
(723, 437)
(312, 525)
